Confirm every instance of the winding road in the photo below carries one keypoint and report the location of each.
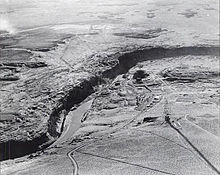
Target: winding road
(76, 122)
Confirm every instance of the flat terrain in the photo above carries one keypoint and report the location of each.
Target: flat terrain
(85, 87)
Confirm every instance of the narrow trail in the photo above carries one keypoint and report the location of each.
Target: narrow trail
(169, 140)
(124, 162)
(196, 149)
(74, 163)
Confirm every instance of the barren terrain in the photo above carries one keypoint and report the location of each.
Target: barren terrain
(86, 88)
